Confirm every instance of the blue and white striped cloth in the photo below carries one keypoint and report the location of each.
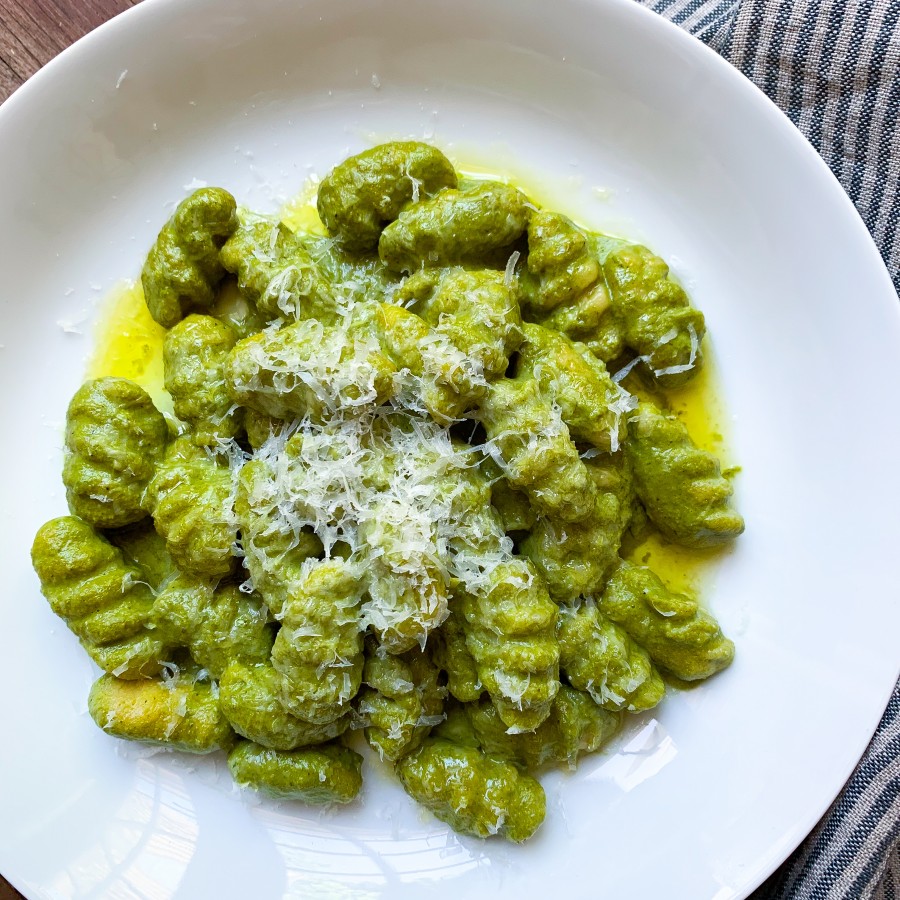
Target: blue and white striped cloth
(833, 66)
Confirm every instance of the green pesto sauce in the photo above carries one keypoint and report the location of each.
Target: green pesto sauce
(701, 408)
(699, 404)
(129, 344)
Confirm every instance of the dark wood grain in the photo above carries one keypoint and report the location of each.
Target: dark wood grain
(32, 32)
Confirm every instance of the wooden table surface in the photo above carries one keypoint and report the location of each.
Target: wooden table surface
(32, 32)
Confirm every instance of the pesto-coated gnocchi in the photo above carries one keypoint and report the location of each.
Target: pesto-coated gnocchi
(322, 775)
(103, 599)
(182, 712)
(575, 558)
(561, 265)
(681, 486)
(601, 658)
(576, 725)
(678, 635)
(217, 623)
(194, 354)
(307, 369)
(589, 402)
(318, 649)
(363, 193)
(411, 463)
(189, 498)
(474, 793)
(534, 447)
(469, 226)
(474, 309)
(653, 314)
(249, 697)
(401, 701)
(275, 271)
(273, 553)
(452, 655)
(115, 436)
(444, 380)
(511, 634)
(184, 267)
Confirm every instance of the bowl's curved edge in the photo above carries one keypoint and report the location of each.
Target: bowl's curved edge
(775, 115)
(66, 57)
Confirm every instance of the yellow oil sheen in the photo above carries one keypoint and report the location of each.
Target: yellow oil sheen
(129, 344)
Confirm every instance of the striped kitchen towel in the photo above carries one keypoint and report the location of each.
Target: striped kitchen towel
(833, 66)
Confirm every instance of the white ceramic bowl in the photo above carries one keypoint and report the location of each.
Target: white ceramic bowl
(710, 794)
